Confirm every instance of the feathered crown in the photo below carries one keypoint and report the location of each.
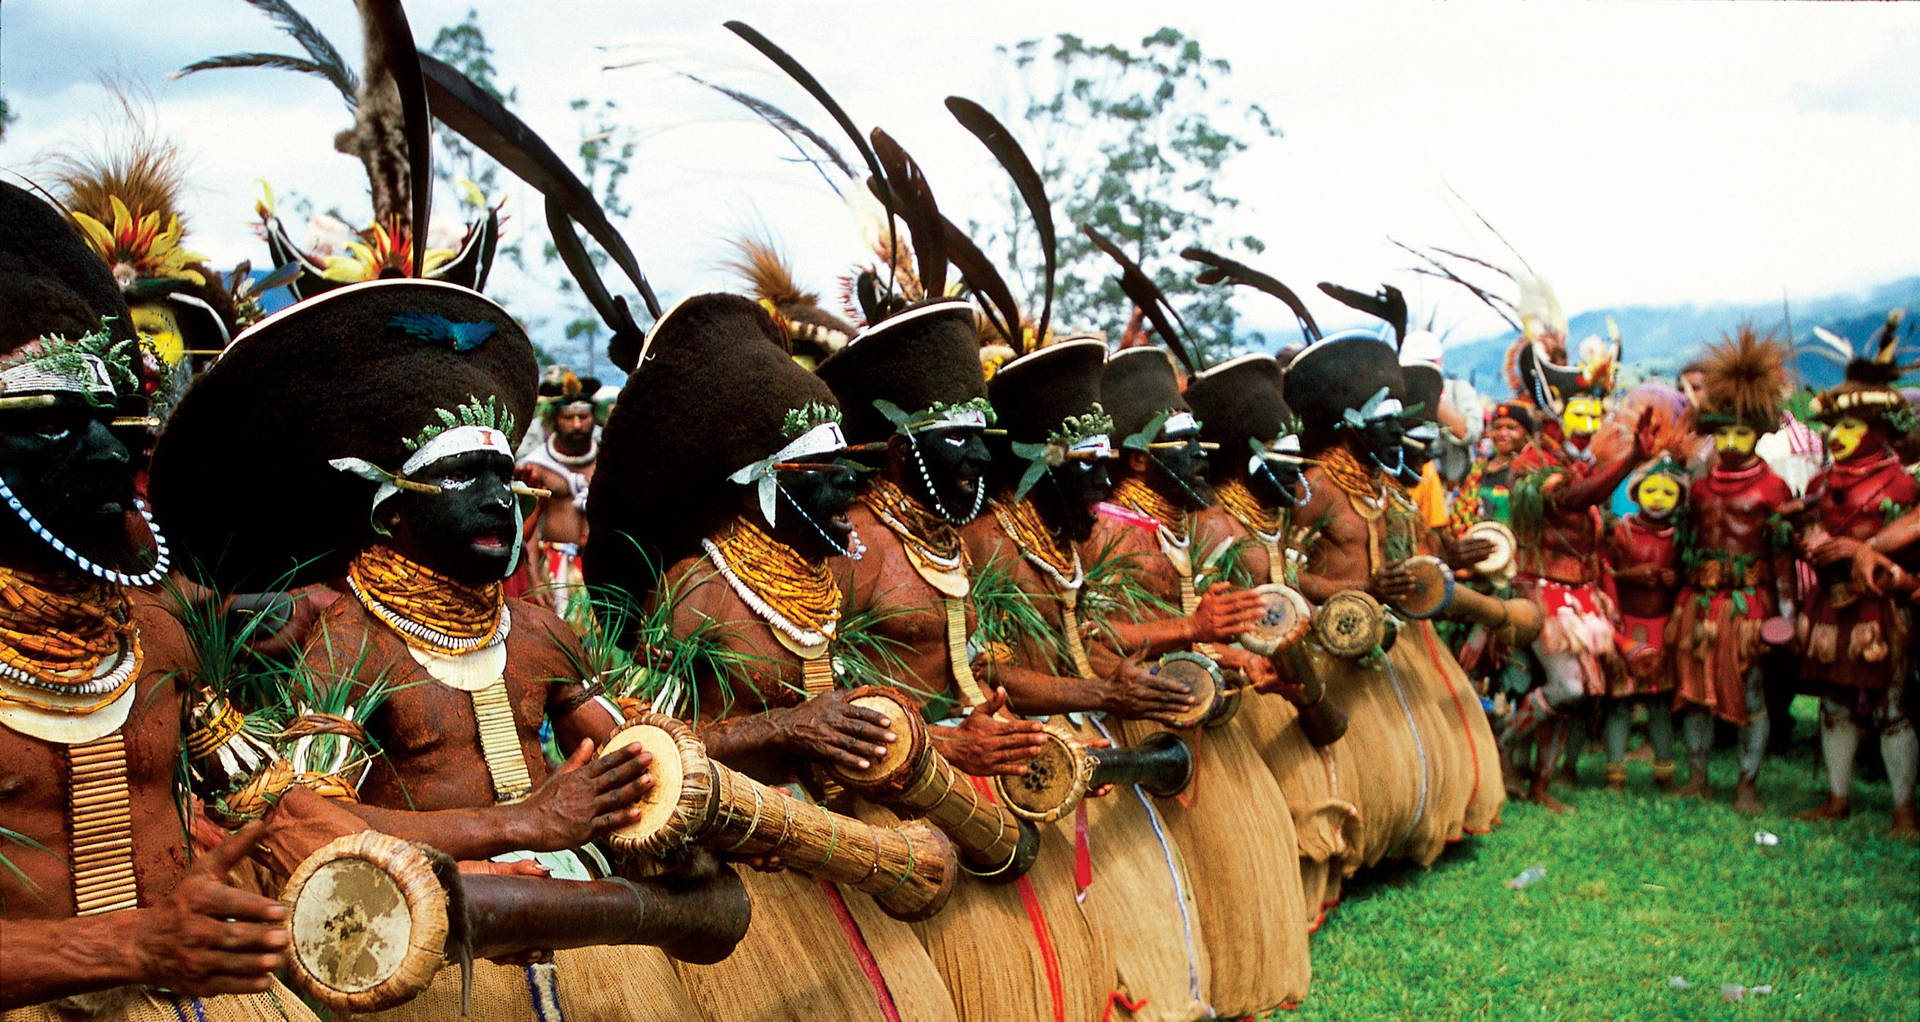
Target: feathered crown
(392, 138)
(1747, 381)
(1868, 388)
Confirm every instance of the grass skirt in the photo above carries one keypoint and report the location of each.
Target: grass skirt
(1140, 904)
(800, 961)
(1237, 833)
(131, 1004)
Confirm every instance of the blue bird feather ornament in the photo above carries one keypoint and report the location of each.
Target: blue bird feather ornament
(429, 326)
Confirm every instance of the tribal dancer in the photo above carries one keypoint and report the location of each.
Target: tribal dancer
(1739, 568)
(1234, 824)
(725, 494)
(1136, 891)
(561, 464)
(1558, 490)
(912, 386)
(410, 394)
(1859, 649)
(1257, 479)
(106, 913)
(1644, 560)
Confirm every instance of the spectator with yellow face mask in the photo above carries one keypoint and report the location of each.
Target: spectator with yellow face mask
(1644, 559)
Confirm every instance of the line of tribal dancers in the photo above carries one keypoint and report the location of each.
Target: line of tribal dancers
(923, 662)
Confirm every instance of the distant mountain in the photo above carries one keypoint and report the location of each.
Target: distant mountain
(1662, 338)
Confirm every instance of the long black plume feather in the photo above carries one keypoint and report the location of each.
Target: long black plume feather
(1145, 294)
(498, 132)
(997, 302)
(807, 81)
(402, 61)
(318, 46)
(1027, 181)
(1387, 305)
(623, 348)
(913, 197)
(795, 130)
(281, 61)
(1221, 268)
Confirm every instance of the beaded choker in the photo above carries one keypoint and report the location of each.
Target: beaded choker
(146, 578)
(1133, 492)
(799, 599)
(1022, 524)
(932, 536)
(1238, 499)
(428, 609)
(68, 635)
(574, 460)
(1347, 473)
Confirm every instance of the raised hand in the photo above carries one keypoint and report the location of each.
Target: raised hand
(828, 728)
(588, 797)
(1647, 436)
(985, 745)
(208, 937)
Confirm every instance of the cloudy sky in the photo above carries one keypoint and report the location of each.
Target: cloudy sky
(1635, 153)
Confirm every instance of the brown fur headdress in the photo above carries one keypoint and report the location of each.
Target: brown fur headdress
(1747, 381)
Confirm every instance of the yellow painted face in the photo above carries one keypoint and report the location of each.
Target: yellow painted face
(1658, 495)
(1845, 437)
(1582, 416)
(1735, 439)
(157, 322)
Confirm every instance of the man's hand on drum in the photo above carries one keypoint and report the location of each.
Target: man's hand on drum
(1392, 584)
(588, 797)
(1464, 552)
(828, 728)
(1224, 613)
(207, 937)
(1135, 693)
(985, 745)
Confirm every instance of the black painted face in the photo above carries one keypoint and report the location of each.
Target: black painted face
(1421, 443)
(1384, 441)
(1182, 470)
(68, 470)
(1066, 497)
(953, 460)
(1277, 483)
(811, 516)
(469, 529)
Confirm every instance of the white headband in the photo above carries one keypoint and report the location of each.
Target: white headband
(824, 438)
(1179, 422)
(952, 417)
(1099, 443)
(458, 440)
(29, 377)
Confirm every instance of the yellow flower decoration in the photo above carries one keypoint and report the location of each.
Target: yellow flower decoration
(382, 248)
(137, 248)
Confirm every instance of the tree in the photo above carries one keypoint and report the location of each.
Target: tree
(6, 116)
(1128, 143)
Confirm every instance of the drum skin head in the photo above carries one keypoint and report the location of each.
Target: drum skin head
(659, 805)
(899, 753)
(1201, 675)
(1287, 619)
(1350, 624)
(351, 926)
(1049, 785)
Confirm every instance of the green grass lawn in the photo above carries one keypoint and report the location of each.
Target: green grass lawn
(1640, 889)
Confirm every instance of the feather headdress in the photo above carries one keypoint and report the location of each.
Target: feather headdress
(1747, 381)
(1868, 387)
(812, 332)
